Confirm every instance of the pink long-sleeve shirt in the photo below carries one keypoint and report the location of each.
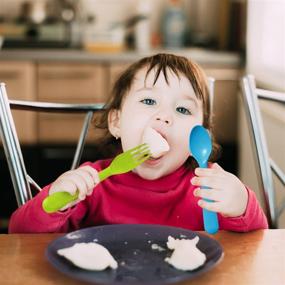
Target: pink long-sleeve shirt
(129, 199)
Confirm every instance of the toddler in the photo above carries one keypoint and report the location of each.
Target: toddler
(168, 94)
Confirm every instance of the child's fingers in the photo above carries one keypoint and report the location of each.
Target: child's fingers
(208, 171)
(67, 173)
(216, 166)
(80, 183)
(205, 171)
(82, 180)
(216, 182)
(211, 194)
(210, 206)
(65, 185)
(92, 172)
(86, 177)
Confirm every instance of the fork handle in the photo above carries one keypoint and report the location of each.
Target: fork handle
(58, 200)
(105, 173)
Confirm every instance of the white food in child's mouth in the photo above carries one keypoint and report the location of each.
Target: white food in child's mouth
(186, 256)
(157, 144)
(89, 256)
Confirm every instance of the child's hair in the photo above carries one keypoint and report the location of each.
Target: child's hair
(159, 63)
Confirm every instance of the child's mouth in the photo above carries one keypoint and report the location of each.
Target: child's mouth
(157, 143)
(153, 160)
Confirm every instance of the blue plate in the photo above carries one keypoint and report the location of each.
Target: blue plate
(130, 245)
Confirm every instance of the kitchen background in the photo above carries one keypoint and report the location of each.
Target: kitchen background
(72, 51)
(216, 23)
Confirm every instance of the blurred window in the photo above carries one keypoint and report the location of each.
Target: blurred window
(266, 42)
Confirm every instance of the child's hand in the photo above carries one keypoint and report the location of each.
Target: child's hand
(229, 195)
(82, 179)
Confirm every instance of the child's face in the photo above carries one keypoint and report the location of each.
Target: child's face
(171, 109)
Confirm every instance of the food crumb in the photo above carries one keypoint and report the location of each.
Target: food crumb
(155, 246)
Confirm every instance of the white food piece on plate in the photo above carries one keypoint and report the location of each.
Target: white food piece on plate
(157, 144)
(186, 256)
(89, 256)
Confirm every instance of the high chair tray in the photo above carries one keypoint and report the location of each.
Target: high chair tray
(131, 246)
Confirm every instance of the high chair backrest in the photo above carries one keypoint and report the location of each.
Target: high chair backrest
(265, 165)
(20, 179)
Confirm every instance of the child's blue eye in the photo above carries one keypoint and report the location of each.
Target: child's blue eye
(183, 111)
(148, 101)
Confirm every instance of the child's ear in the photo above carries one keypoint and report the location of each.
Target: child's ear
(114, 123)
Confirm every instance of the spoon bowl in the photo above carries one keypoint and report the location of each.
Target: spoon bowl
(200, 145)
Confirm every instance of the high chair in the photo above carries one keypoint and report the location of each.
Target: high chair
(265, 165)
(20, 179)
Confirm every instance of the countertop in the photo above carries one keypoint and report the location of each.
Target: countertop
(201, 56)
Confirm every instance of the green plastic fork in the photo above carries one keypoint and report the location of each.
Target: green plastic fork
(122, 163)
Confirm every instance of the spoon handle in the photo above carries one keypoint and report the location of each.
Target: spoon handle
(211, 223)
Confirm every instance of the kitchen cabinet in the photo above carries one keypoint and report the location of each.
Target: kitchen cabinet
(115, 70)
(225, 102)
(54, 82)
(92, 83)
(20, 80)
(69, 83)
(75, 82)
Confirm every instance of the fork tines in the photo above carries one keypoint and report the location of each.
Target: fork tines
(142, 149)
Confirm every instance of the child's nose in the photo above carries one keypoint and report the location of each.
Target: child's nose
(164, 118)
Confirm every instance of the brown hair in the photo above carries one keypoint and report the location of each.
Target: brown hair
(160, 63)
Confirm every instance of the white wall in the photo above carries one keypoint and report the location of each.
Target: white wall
(266, 42)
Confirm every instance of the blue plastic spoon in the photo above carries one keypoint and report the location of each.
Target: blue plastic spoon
(200, 145)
